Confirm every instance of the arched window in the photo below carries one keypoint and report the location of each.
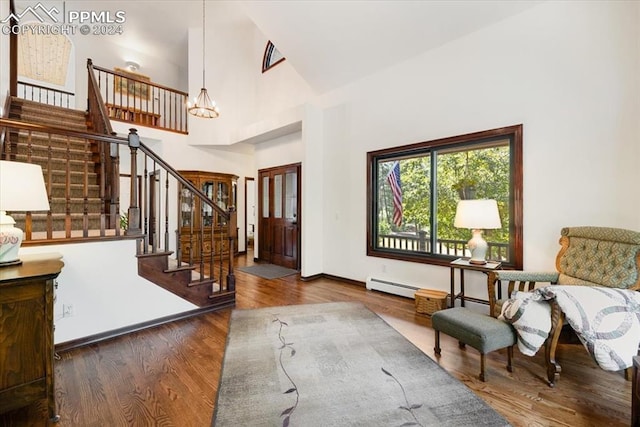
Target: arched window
(272, 57)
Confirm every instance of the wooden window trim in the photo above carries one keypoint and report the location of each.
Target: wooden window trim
(515, 195)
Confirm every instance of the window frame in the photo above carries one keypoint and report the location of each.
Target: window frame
(268, 61)
(513, 133)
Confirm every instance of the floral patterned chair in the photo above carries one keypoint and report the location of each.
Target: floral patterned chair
(589, 256)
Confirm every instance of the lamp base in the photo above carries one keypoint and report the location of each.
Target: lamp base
(10, 240)
(478, 247)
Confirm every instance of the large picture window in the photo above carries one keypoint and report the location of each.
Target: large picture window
(414, 190)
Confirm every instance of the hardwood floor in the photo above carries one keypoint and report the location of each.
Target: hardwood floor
(168, 375)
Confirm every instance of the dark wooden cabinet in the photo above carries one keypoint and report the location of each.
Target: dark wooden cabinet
(26, 332)
(202, 231)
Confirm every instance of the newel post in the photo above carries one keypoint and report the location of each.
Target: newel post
(232, 232)
(133, 215)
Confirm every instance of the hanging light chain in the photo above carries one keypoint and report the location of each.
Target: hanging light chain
(204, 62)
(203, 106)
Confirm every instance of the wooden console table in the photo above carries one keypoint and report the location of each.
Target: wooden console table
(464, 264)
(26, 332)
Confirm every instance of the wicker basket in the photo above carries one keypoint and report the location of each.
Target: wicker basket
(428, 301)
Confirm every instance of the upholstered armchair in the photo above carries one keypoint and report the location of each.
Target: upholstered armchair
(588, 256)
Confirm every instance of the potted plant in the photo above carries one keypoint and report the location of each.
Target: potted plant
(124, 221)
(466, 188)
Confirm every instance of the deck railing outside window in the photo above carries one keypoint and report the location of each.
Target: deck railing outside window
(422, 243)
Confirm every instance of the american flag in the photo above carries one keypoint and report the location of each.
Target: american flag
(396, 189)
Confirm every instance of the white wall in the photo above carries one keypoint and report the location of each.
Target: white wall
(313, 192)
(568, 71)
(104, 297)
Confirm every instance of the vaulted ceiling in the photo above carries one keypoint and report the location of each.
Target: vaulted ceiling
(329, 43)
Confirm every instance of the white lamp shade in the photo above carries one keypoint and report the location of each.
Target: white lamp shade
(22, 187)
(477, 214)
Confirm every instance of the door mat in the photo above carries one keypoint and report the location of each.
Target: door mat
(268, 271)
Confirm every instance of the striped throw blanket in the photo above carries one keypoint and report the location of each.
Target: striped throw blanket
(606, 320)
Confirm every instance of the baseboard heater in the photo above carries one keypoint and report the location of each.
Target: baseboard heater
(391, 287)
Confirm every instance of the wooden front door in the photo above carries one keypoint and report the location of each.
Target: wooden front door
(279, 215)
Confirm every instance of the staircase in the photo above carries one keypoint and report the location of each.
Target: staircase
(57, 153)
(72, 167)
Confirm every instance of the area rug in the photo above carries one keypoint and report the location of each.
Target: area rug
(268, 271)
(335, 364)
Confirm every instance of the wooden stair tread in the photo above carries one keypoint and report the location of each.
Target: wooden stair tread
(53, 109)
(223, 293)
(155, 254)
(181, 268)
(203, 282)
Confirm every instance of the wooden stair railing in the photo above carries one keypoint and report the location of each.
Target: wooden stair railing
(156, 221)
(152, 214)
(109, 157)
(45, 95)
(76, 192)
(148, 220)
(129, 97)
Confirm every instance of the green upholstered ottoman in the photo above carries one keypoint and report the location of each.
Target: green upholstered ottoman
(480, 331)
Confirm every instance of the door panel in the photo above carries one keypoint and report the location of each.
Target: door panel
(290, 241)
(264, 249)
(279, 217)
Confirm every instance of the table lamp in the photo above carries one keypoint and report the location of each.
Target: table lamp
(477, 215)
(22, 188)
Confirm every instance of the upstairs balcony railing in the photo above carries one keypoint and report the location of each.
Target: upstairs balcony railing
(134, 99)
(45, 95)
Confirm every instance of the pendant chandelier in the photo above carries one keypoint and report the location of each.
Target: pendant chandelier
(203, 105)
